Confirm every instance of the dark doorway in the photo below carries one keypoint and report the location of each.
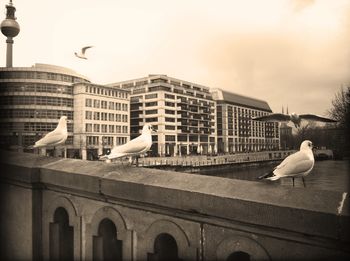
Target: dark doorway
(165, 248)
(106, 246)
(61, 236)
(239, 256)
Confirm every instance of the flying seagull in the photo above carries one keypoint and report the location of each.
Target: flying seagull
(296, 165)
(293, 117)
(56, 137)
(133, 148)
(82, 52)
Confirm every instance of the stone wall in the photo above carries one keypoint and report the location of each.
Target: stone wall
(53, 207)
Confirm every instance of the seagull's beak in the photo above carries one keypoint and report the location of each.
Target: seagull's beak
(69, 121)
(154, 130)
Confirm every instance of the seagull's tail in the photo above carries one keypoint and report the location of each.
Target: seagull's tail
(267, 175)
(102, 157)
(30, 147)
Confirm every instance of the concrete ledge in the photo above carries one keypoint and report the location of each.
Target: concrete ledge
(308, 212)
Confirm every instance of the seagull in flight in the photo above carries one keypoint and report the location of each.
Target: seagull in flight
(295, 165)
(82, 52)
(293, 117)
(133, 148)
(56, 137)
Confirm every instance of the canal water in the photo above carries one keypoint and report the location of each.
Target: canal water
(331, 175)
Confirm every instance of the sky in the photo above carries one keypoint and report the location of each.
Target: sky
(293, 53)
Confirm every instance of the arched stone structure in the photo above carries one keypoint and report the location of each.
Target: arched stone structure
(123, 233)
(74, 220)
(241, 244)
(146, 240)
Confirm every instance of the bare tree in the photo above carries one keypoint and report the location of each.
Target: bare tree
(341, 112)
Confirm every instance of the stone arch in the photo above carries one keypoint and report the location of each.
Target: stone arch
(49, 210)
(147, 239)
(123, 233)
(65, 203)
(242, 245)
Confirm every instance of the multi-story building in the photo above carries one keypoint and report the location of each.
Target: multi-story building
(236, 131)
(181, 111)
(32, 99)
(101, 118)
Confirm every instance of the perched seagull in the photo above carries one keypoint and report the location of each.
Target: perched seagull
(82, 52)
(293, 117)
(296, 165)
(56, 137)
(135, 147)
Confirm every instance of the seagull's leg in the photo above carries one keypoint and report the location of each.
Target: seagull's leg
(303, 182)
(293, 181)
(137, 161)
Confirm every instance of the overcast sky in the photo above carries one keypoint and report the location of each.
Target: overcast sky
(287, 52)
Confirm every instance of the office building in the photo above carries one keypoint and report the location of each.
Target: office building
(236, 131)
(181, 111)
(101, 118)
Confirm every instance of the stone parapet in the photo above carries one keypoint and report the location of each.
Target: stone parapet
(259, 215)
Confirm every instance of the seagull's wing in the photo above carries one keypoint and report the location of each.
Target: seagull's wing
(273, 117)
(294, 165)
(313, 117)
(52, 137)
(85, 48)
(136, 145)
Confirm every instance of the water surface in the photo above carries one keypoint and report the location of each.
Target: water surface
(326, 175)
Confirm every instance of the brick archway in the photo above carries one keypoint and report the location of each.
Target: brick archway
(241, 244)
(74, 220)
(124, 234)
(146, 240)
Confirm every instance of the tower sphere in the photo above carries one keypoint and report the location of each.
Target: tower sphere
(10, 27)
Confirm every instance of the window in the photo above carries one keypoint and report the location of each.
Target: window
(88, 102)
(169, 96)
(96, 127)
(151, 96)
(151, 112)
(88, 115)
(88, 127)
(149, 104)
(96, 116)
(96, 104)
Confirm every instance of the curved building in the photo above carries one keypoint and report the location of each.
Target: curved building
(32, 99)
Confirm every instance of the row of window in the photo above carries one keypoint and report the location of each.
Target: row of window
(40, 75)
(97, 140)
(104, 116)
(106, 91)
(36, 114)
(38, 127)
(35, 87)
(104, 128)
(93, 103)
(36, 100)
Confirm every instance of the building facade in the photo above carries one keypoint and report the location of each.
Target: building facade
(182, 112)
(32, 99)
(101, 117)
(236, 131)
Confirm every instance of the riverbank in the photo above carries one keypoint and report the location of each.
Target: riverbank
(195, 164)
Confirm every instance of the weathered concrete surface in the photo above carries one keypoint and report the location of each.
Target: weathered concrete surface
(263, 218)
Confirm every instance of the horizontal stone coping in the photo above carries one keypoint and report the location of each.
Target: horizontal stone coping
(307, 211)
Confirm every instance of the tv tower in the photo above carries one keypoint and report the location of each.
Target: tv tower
(9, 28)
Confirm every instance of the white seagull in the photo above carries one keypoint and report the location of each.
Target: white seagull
(296, 165)
(82, 52)
(293, 117)
(56, 137)
(135, 147)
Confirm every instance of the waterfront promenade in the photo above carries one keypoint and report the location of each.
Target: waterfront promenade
(199, 161)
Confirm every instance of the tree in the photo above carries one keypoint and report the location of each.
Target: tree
(341, 112)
